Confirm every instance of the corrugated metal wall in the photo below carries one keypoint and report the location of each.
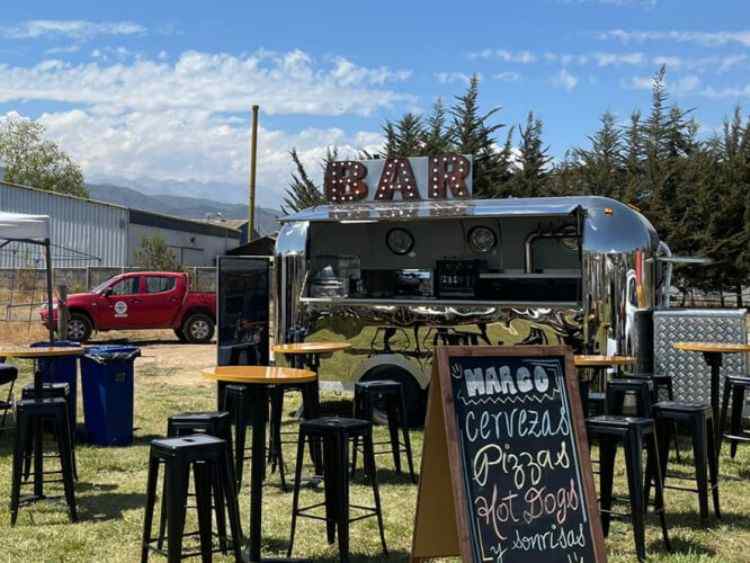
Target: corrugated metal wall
(83, 233)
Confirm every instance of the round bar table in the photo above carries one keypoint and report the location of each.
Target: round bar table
(599, 364)
(712, 354)
(39, 354)
(258, 379)
(309, 353)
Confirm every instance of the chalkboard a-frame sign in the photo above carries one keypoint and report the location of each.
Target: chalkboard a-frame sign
(506, 473)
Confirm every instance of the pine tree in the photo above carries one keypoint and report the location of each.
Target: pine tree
(633, 135)
(436, 137)
(533, 160)
(602, 168)
(472, 133)
(302, 191)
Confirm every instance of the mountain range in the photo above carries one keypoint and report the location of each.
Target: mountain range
(189, 207)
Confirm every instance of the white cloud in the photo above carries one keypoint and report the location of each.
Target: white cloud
(598, 58)
(732, 92)
(63, 50)
(719, 64)
(707, 38)
(688, 84)
(75, 29)
(507, 76)
(451, 77)
(188, 120)
(565, 79)
(291, 82)
(189, 145)
(521, 57)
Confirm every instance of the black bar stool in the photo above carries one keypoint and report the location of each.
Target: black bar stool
(51, 391)
(646, 389)
(211, 464)
(698, 418)
(389, 394)
(238, 402)
(32, 413)
(8, 376)
(275, 442)
(734, 387)
(632, 433)
(215, 424)
(335, 434)
(620, 387)
(596, 403)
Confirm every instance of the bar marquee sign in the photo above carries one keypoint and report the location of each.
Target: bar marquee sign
(447, 176)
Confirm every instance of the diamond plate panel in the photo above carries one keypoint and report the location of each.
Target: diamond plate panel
(690, 373)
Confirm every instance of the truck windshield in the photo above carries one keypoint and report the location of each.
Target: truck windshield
(99, 288)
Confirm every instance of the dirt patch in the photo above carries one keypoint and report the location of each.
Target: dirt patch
(164, 359)
(175, 363)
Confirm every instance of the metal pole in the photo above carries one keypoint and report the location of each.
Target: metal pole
(62, 311)
(253, 165)
(48, 259)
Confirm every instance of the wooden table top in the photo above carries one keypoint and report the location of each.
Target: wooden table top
(720, 347)
(310, 347)
(259, 374)
(585, 361)
(42, 352)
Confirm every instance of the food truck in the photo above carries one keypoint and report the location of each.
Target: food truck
(402, 258)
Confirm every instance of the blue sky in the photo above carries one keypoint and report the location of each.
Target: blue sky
(159, 90)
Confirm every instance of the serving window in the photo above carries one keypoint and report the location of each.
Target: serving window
(512, 259)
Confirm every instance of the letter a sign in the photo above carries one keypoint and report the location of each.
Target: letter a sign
(506, 474)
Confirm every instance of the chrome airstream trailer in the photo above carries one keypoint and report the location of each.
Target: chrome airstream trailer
(395, 278)
(406, 275)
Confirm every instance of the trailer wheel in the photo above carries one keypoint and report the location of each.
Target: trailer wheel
(415, 396)
(198, 328)
(79, 327)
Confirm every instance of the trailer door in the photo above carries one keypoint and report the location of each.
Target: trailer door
(243, 305)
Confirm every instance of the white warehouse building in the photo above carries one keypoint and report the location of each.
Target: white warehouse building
(93, 233)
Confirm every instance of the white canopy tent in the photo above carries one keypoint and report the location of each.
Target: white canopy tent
(33, 229)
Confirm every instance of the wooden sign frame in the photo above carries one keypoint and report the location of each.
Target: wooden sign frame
(441, 527)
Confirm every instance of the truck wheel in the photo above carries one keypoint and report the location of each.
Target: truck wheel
(180, 335)
(414, 395)
(198, 328)
(79, 327)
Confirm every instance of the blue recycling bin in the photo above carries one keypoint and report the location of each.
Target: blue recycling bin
(61, 370)
(107, 385)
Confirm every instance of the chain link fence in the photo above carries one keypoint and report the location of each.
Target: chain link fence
(22, 290)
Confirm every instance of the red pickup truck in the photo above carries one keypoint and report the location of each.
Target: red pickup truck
(142, 300)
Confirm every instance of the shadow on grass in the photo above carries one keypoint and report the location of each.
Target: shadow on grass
(693, 520)
(276, 545)
(104, 506)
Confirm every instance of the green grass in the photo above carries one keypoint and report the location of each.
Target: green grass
(111, 496)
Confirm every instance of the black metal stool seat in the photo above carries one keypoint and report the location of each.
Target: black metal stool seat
(369, 393)
(734, 388)
(698, 418)
(8, 376)
(209, 458)
(31, 414)
(215, 424)
(51, 391)
(335, 434)
(633, 433)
